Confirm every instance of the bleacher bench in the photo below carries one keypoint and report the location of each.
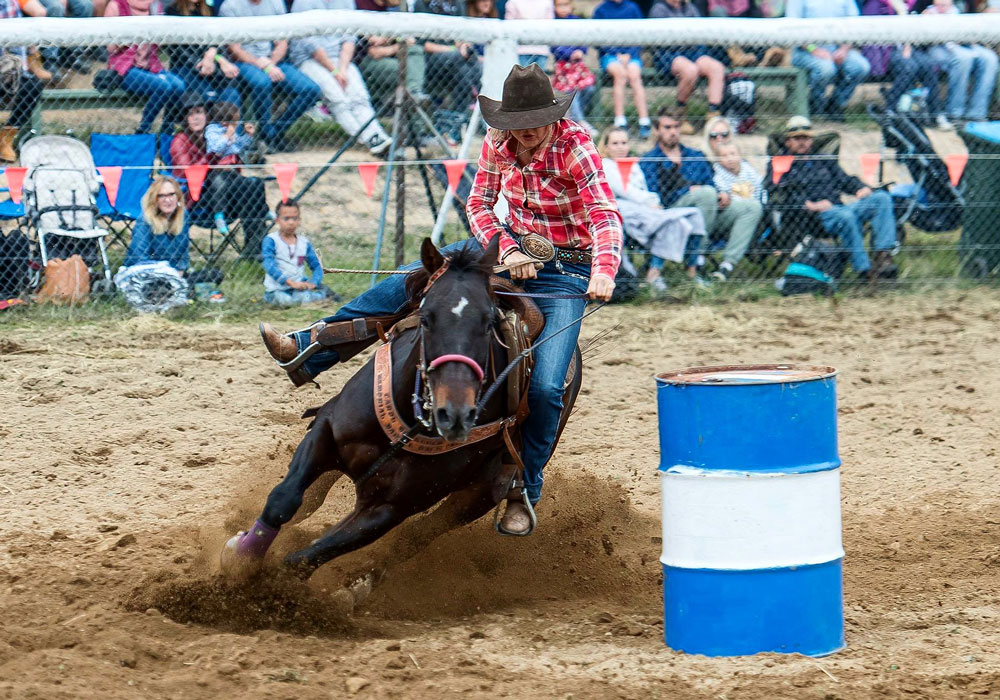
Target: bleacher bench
(792, 79)
(86, 98)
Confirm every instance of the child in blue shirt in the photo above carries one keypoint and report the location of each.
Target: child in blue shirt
(624, 66)
(285, 256)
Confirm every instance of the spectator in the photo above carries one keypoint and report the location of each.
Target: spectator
(815, 185)
(841, 66)
(681, 176)
(72, 58)
(963, 61)
(14, 67)
(735, 176)
(572, 74)
(162, 232)
(141, 70)
(742, 56)
(326, 59)
(376, 56)
(688, 63)
(285, 255)
(229, 194)
(204, 69)
(481, 9)
(263, 66)
(453, 65)
(530, 9)
(668, 234)
(624, 66)
(907, 64)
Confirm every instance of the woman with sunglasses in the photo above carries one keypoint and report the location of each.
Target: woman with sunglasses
(718, 132)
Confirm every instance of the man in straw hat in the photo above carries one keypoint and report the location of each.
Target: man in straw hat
(551, 175)
(816, 185)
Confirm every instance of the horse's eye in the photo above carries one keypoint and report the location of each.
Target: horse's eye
(425, 322)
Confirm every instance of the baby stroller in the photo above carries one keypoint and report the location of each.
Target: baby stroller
(60, 203)
(930, 203)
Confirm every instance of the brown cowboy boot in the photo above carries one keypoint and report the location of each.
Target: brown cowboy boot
(516, 519)
(8, 135)
(36, 67)
(281, 347)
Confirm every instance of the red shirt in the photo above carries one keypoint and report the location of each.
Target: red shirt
(184, 153)
(561, 194)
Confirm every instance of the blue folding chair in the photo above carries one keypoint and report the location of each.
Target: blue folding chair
(135, 154)
(8, 209)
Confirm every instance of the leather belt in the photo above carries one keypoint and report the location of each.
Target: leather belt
(574, 255)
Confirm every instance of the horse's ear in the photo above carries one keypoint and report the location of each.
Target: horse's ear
(491, 256)
(430, 256)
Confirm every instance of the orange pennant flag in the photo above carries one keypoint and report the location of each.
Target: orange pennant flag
(15, 183)
(368, 171)
(956, 163)
(112, 175)
(285, 174)
(869, 167)
(195, 175)
(779, 166)
(625, 169)
(454, 169)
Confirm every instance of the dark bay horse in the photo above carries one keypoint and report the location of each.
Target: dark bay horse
(458, 314)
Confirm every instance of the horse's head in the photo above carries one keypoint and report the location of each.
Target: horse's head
(457, 314)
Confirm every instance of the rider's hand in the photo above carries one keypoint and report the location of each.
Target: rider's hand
(521, 266)
(863, 192)
(600, 288)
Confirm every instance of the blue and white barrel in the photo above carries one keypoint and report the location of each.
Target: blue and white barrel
(752, 546)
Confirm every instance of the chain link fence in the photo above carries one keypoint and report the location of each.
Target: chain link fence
(749, 156)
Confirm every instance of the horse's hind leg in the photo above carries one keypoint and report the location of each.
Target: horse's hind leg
(314, 456)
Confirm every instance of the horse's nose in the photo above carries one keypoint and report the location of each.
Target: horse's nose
(453, 422)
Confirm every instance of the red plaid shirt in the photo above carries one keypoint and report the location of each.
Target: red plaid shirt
(561, 194)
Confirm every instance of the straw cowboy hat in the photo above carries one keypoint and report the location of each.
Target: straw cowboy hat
(798, 126)
(528, 101)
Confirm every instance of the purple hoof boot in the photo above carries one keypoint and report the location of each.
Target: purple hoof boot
(245, 547)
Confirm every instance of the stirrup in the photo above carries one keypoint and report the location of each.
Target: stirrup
(292, 365)
(516, 486)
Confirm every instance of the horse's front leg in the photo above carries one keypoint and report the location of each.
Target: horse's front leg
(368, 522)
(315, 455)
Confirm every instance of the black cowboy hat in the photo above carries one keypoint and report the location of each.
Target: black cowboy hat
(528, 101)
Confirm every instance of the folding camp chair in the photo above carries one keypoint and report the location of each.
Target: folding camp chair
(135, 154)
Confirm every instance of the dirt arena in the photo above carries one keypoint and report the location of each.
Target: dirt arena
(132, 450)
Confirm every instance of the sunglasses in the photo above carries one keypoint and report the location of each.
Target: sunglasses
(719, 135)
(167, 195)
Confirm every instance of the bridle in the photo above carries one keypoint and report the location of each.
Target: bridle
(422, 399)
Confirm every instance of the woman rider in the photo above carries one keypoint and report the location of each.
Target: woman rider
(552, 177)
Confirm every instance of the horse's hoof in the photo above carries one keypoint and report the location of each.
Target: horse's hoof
(234, 564)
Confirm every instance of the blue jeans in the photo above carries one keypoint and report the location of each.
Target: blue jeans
(164, 90)
(214, 88)
(301, 92)
(823, 73)
(526, 59)
(921, 68)
(293, 297)
(845, 221)
(552, 359)
(964, 63)
(578, 107)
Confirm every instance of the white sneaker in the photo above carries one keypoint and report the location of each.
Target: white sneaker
(319, 114)
(943, 124)
(377, 144)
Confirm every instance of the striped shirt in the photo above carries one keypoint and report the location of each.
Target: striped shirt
(745, 184)
(561, 195)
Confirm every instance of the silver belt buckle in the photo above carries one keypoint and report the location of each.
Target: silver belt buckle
(537, 247)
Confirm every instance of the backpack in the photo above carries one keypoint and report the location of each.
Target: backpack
(739, 102)
(15, 264)
(816, 266)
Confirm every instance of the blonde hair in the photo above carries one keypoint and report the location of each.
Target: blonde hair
(151, 212)
(709, 127)
(602, 141)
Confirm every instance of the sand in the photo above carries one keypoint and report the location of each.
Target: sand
(132, 450)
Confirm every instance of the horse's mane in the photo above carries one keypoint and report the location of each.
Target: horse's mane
(468, 259)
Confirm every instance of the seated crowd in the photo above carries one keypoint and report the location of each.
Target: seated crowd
(344, 78)
(678, 202)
